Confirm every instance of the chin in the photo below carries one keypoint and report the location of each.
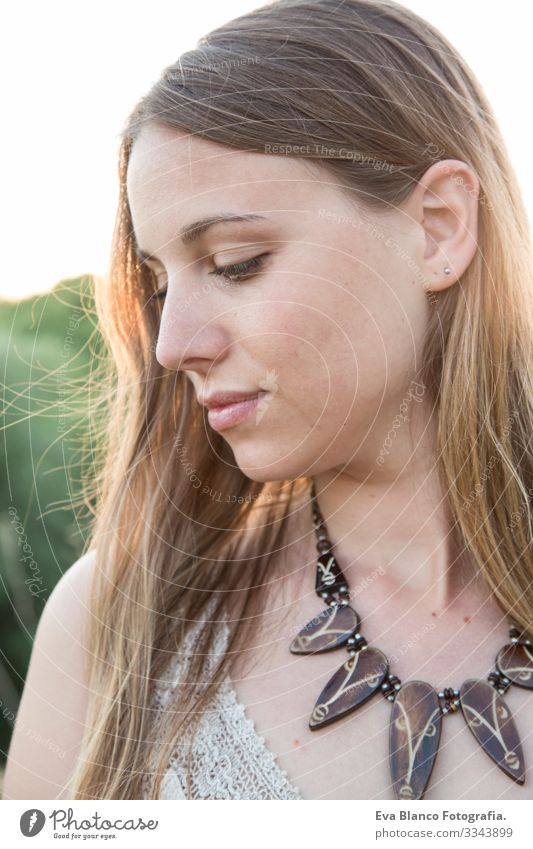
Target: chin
(255, 464)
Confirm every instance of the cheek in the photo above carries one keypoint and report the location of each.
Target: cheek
(300, 338)
(305, 359)
(321, 343)
(330, 355)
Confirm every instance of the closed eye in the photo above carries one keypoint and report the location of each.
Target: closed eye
(234, 273)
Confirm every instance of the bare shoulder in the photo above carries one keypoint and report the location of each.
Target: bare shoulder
(50, 719)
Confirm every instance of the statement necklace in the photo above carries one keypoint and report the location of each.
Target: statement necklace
(417, 708)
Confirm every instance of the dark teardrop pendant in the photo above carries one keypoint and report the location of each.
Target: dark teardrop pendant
(414, 736)
(493, 726)
(358, 678)
(329, 629)
(515, 661)
(329, 576)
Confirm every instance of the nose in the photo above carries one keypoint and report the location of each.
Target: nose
(191, 337)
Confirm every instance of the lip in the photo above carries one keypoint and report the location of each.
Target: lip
(230, 414)
(224, 397)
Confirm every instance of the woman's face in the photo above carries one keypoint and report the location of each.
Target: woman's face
(327, 326)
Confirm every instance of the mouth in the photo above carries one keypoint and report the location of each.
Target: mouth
(230, 414)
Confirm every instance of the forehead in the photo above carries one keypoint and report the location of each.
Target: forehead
(168, 166)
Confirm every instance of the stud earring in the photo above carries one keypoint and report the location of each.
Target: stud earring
(447, 270)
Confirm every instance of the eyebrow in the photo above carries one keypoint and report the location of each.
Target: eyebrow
(194, 231)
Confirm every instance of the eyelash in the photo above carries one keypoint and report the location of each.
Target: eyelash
(234, 273)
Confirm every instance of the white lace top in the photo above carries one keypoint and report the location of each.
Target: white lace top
(229, 759)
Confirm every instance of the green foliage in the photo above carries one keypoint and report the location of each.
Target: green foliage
(47, 353)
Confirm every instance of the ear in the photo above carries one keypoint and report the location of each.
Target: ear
(445, 204)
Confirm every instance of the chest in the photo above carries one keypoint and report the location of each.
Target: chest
(349, 759)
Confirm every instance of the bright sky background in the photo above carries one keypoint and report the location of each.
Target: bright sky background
(72, 71)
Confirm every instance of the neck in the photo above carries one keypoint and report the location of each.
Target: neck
(393, 526)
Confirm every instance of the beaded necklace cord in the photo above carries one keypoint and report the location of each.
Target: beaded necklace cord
(417, 708)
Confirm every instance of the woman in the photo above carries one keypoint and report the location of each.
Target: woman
(320, 286)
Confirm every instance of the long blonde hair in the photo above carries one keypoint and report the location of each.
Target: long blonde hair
(173, 530)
